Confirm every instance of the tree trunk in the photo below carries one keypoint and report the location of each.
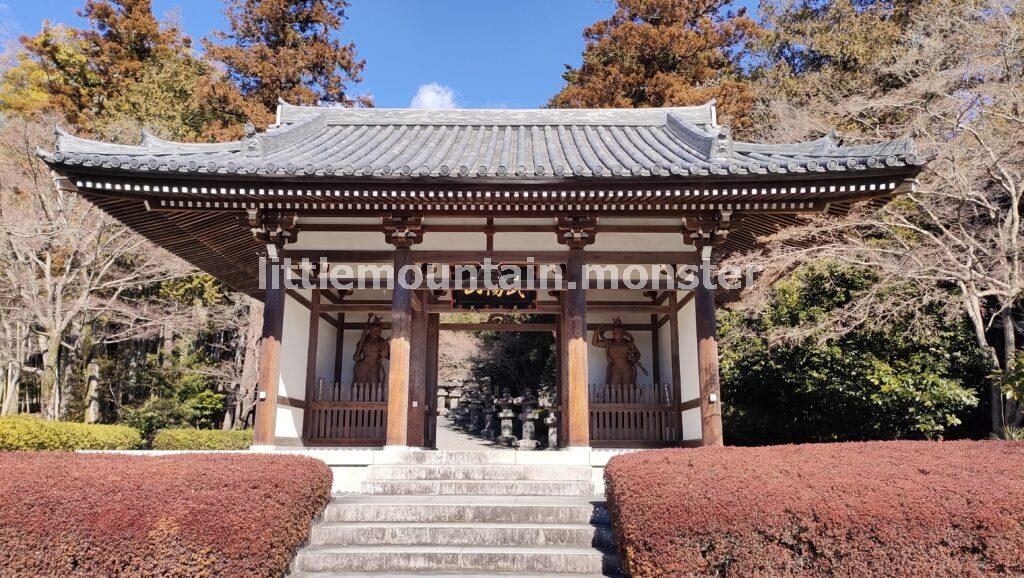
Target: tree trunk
(49, 379)
(1012, 412)
(995, 390)
(92, 391)
(12, 377)
(245, 398)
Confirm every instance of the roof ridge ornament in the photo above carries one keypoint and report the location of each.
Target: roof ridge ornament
(252, 144)
(721, 147)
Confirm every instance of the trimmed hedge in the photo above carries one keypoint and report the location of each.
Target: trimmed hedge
(855, 509)
(202, 439)
(26, 433)
(180, 515)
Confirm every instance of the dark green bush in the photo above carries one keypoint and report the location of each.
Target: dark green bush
(202, 439)
(25, 433)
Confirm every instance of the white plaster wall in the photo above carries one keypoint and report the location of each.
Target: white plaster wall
(294, 339)
(527, 242)
(326, 345)
(688, 367)
(289, 422)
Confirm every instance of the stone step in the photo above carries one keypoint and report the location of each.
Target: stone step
(477, 488)
(461, 534)
(454, 559)
(477, 509)
(480, 472)
(449, 457)
(442, 575)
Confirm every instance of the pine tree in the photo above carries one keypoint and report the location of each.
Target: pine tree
(286, 49)
(654, 53)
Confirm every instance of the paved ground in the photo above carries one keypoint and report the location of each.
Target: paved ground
(449, 438)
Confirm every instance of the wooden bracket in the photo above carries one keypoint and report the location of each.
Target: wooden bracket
(709, 229)
(403, 230)
(577, 231)
(273, 227)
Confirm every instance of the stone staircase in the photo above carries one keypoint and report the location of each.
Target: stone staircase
(463, 513)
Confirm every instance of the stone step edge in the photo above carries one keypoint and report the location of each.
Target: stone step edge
(474, 525)
(442, 575)
(434, 549)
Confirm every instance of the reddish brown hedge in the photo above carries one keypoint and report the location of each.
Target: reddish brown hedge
(67, 514)
(856, 509)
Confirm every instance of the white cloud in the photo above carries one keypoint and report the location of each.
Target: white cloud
(433, 95)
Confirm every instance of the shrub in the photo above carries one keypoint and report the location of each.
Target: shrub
(853, 509)
(181, 515)
(202, 439)
(26, 433)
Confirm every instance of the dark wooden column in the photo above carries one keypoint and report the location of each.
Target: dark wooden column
(311, 350)
(706, 232)
(707, 366)
(269, 361)
(418, 372)
(576, 233)
(677, 369)
(402, 232)
(562, 378)
(433, 336)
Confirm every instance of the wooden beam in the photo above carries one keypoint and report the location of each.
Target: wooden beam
(469, 257)
(707, 366)
(398, 374)
(269, 369)
(305, 303)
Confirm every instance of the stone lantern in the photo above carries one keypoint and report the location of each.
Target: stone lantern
(528, 403)
(506, 415)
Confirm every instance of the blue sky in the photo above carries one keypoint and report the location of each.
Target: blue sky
(468, 53)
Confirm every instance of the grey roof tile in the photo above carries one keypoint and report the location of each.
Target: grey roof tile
(510, 145)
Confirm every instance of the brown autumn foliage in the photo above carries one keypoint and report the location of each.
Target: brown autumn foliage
(66, 514)
(655, 53)
(886, 509)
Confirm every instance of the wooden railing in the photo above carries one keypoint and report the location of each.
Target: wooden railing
(348, 415)
(633, 416)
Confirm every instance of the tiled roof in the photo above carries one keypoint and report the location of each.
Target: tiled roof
(492, 145)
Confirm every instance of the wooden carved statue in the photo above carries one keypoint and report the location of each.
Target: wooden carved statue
(623, 355)
(371, 351)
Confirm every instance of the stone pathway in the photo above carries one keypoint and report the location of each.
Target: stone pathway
(450, 438)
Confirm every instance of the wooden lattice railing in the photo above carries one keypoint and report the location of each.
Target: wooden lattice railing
(633, 416)
(348, 415)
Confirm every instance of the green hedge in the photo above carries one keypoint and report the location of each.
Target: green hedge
(25, 433)
(202, 439)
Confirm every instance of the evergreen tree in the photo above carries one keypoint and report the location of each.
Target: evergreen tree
(654, 53)
(286, 49)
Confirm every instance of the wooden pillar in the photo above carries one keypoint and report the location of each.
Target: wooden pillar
(433, 336)
(677, 370)
(418, 373)
(707, 364)
(398, 369)
(655, 350)
(339, 349)
(270, 355)
(311, 348)
(578, 399)
(562, 378)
